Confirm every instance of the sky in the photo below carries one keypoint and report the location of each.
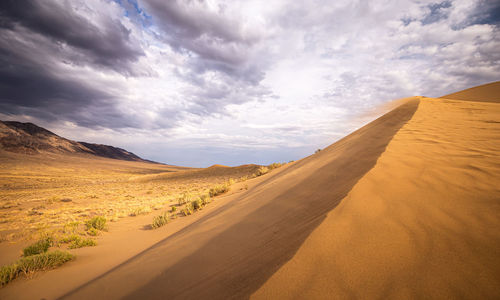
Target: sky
(197, 83)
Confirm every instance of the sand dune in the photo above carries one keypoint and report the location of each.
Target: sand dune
(423, 223)
(232, 251)
(484, 93)
(405, 207)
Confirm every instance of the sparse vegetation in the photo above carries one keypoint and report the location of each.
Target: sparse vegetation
(261, 171)
(219, 189)
(197, 204)
(188, 209)
(140, 211)
(160, 220)
(185, 198)
(81, 242)
(93, 232)
(40, 246)
(69, 238)
(174, 209)
(98, 223)
(28, 265)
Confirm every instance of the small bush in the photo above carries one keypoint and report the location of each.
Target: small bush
(69, 238)
(274, 166)
(40, 246)
(30, 264)
(317, 151)
(160, 220)
(218, 189)
(205, 199)
(80, 243)
(261, 171)
(71, 227)
(93, 232)
(140, 211)
(185, 198)
(98, 223)
(174, 209)
(197, 204)
(188, 209)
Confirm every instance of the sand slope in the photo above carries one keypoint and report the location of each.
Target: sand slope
(423, 223)
(489, 92)
(233, 250)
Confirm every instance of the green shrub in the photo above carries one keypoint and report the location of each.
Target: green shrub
(30, 264)
(93, 232)
(174, 209)
(98, 223)
(185, 198)
(188, 209)
(218, 189)
(71, 227)
(197, 204)
(80, 243)
(261, 171)
(140, 211)
(205, 199)
(40, 246)
(69, 238)
(160, 220)
(274, 166)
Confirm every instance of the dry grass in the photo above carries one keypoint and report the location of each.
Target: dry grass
(48, 193)
(28, 265)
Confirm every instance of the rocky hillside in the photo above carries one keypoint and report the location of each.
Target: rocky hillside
(28, 138)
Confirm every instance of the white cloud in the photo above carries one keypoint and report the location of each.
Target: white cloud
(247, 81)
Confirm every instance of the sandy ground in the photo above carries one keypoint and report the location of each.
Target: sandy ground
(233, 250)
(423, 223)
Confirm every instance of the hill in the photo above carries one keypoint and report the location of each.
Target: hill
(28, 138)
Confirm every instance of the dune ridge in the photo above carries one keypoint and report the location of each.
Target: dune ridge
(423, 223)
(233, 250)
(489, 92)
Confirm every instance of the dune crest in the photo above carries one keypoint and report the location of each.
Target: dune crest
(423, 223)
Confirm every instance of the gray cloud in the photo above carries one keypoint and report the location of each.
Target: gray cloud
(109, 45)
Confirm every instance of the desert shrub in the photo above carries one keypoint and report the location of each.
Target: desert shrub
(261, 171)
(230, 181)
(174, 209)
(71, 227)
(69, 238)
(40, 246)
(80, 243)
(188, 209)
(274, 166)
(93, 232)
(185, 198)
(160, 220)
(98, 223)
(197, 204)
(30, 264)
(218, 189)
(317, 151)
(205, 199)
(140, 211)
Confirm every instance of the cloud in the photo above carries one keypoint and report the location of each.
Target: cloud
(101, 40)
(263, 77)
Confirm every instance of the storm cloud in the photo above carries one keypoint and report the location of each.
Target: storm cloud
(214, 76)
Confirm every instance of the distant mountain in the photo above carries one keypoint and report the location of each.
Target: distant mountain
(28, 138)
